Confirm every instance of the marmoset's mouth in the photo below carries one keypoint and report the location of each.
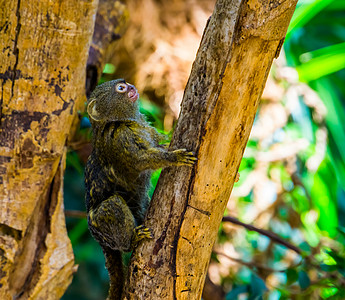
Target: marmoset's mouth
(133, 94)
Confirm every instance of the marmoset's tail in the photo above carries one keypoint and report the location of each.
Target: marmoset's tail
(113, 262)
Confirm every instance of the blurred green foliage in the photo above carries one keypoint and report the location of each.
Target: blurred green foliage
(309, 212)
(315, 47)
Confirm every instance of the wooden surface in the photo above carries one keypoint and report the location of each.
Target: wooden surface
(44, 48)
(239, 44)
(110, 24)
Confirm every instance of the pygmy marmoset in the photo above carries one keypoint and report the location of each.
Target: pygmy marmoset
(117, 176)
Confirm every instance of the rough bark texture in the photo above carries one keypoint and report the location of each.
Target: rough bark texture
(44, 48)
(111, 21)
(239, 44)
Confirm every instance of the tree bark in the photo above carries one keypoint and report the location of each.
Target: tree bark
(240, 41)
(111, 23)
(42, 86)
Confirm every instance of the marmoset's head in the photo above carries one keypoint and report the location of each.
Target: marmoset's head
(114, 100)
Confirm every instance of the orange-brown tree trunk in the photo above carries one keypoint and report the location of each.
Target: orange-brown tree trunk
(44, 48)
(239, 44)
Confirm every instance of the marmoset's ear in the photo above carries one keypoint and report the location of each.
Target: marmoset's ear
(91, 110)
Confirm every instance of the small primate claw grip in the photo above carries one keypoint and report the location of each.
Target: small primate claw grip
(184, 157)
(141, 232)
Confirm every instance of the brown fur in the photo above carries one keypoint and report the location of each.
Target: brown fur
(117, 175)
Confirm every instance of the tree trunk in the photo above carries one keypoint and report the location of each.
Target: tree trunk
(111, 23)
(42, 85)
(240, 41)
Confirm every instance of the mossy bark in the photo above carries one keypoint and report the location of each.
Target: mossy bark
(44, 49)
(240, 41)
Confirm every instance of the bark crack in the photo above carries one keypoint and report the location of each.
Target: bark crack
(177, 235)
(204, 212)
(15, 47)
(159, 243)
(1, 99)
(188, 241)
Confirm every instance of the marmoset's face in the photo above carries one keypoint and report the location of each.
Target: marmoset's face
(128, 90)
(114, 100)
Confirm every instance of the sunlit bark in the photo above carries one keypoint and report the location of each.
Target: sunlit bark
(44, 49)
(239, 44)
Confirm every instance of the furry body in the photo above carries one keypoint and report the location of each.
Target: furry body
(117, 176)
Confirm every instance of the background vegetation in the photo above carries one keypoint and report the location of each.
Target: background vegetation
(292, 176)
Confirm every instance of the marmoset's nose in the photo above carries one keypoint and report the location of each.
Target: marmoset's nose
(131, 87)
(132, 92)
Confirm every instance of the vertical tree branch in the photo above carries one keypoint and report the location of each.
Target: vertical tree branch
(111, 22)
(44, 49)
(239, 43)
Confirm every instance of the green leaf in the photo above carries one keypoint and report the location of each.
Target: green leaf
(236, 291)
(305, 247)
(291, 275)
(305, 11)
(328, 268)
(109, 69)
(329, 292)
(322, 65)
(335, 121)
(329, 50)
(339, 259)
(301, 202)
(324, 197)
(312, 231)
(257, 287)
(303, 280)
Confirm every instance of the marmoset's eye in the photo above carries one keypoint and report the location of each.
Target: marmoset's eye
(121, 87)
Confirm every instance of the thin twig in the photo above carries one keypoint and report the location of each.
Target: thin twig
(274, 237)
(249, 264)
(75, 214)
